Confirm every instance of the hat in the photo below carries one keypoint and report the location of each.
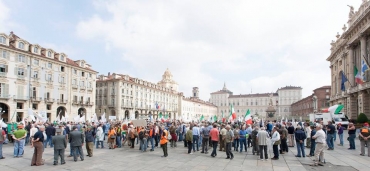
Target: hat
(58, 130)
(366, 124)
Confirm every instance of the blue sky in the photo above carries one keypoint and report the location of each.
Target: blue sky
(259, 45)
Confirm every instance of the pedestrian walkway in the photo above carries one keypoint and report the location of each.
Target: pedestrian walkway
(132, 159)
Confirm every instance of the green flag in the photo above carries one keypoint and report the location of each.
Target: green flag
(215, 118)
(166, 116)
(222, 112)
(201, 118)
(160, 115)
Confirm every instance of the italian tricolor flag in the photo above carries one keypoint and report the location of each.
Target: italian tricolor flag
(358, 77)
(336, 109)
(223, 117)
(248, 118)
(232, 113)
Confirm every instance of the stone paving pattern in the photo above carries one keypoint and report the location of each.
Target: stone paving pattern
(133, 159)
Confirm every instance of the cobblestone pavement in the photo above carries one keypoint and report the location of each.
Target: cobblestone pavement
(132, 159)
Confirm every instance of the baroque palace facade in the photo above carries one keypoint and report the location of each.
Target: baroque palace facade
(347, 52)
(280, 101)
(126, 97)
(46, 81)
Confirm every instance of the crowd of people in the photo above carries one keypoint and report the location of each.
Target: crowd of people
(197, 136)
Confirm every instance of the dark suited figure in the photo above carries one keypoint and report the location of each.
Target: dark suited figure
(60, 144)
(76, 138)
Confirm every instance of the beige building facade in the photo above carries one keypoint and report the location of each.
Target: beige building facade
(350, 50)
(46, 81)
(257, 103)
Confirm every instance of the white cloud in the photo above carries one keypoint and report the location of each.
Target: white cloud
(262, 45)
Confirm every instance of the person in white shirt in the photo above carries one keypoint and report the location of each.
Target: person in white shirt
(320, 139)
(275, 140)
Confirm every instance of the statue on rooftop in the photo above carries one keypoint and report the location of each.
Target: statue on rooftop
(351, 11)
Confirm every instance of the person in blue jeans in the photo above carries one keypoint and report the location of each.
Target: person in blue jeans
(243, 139)
(340, 134)
(352, 136)
(313, 143)
(300, 136)
(330, 135)
(196, 134)
(19, 140)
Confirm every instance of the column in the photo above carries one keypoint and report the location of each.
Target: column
(363, 46)
(350, 76)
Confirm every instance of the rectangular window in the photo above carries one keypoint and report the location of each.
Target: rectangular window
(75, 98)
(49, 77)
(19, 105)
(74, 82)
(21, 72)
(62, 58)
(48, 107)
(75, 71)
(35, 50)
(62, 97)
(47, 95)
(36, 62)
(82, 74)
(4, 54)
(61, 68)
(34, 92)
(82, 83)
(34, 106)
(61, 79)
(50, 65)
(3, 68)
(21, 58)
(35, 74)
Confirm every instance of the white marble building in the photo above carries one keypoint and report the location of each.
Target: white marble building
(46, 81)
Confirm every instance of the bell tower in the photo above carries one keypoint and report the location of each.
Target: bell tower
(196, 92)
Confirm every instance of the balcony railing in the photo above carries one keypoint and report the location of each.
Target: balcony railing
(4, 96)
(75, 86)
(75, 102)
(25, 98)
(62, 101)
(87, 103)
(82, 87)
(3, 74)
(89, 89)
(36, 99)
(21, 77)
(49, 100)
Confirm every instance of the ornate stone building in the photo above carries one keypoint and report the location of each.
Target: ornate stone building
(256, 103)
(35, 77)
(314, 103)
(347, 52)
(124, 96)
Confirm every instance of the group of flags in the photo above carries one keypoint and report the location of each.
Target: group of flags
(359, 75)
(231, 117)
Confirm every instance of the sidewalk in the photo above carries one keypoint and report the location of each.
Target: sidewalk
(132, 159)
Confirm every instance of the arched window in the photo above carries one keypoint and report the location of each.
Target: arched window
(49, 54)
(2, 40)
(21, 45)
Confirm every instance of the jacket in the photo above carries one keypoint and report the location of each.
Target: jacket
(299, 135)
(100, 134)
(76, 138)
(89, 136)
(50, 131)
(189, 135)
(164, 138)
(59, 141)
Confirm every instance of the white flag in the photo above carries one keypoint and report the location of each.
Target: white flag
(76, 118)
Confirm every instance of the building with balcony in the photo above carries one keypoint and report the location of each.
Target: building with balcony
(39, 78)
(351, 50)
(257, 103)
(124, 96)
(316, 102)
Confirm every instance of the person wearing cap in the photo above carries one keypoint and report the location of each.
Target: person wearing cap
(19, 140)
(60, 144)
(77, 141)
(365, 139)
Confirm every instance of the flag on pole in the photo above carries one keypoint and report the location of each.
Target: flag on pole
(223, 117)
(103, 119)
(335, 109)
(358, 76)
(363, 69)
(248, 118)
(232, 113)
(215, 118)
(342, 85)
(201, 118)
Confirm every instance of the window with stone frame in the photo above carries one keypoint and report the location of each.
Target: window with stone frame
(2, 40)
(21, 45)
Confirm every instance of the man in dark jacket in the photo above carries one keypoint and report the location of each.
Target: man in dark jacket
(300, 136)
(50, 131)
(89, 134)
(76, 138)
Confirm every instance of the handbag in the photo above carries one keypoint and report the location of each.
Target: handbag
(112, 137)
(278, 142)
(169, 137)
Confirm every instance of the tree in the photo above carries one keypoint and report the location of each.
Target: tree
(362, 118)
